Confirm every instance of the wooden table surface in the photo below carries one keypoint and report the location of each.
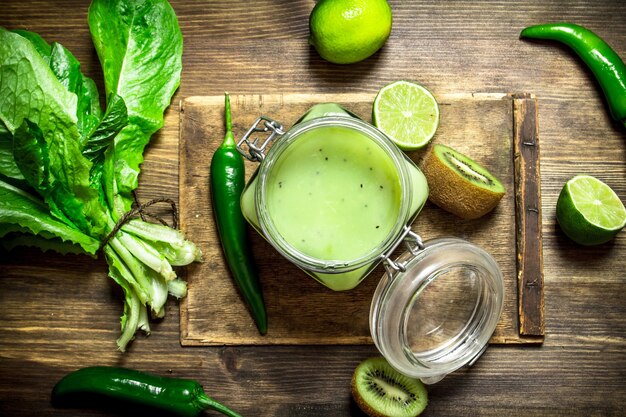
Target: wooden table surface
(59, 313)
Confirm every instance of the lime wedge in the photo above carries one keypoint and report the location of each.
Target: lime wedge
(589, 211)
(407, 113)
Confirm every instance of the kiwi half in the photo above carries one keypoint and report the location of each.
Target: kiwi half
(459, 184)
(381, 391)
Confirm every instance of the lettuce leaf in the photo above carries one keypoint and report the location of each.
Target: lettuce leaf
(121, 168)
(23, 212)
(41, 114)
(38, 42)
(8, 168)
(139, 44)
(66, 68)
(114, 120)
(57, 170)
(29, 89)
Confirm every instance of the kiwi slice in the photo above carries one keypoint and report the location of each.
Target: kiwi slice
(381, 391)
(459, 184)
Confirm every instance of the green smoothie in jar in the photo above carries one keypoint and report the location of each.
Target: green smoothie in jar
(332, 195)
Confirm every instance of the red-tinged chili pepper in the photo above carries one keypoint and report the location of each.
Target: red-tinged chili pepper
(602, 60)
(227, 183)
(134, 391)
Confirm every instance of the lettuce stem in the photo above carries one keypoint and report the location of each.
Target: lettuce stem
(132, 304)
(147, 254)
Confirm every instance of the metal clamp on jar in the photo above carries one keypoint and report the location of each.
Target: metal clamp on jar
(336, 197)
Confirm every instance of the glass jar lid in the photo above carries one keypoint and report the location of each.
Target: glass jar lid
(438, 311)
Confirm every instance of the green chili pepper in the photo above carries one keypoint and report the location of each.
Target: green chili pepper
(602, 60)
(130, 388)
(227, 182)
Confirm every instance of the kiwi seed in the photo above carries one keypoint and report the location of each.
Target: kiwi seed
(381, 391)
(460, 185)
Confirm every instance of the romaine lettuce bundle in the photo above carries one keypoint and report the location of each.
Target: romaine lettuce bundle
(68, 169)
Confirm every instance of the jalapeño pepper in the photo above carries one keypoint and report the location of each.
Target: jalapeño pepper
(227, 182)
(129, 388)
(602, 60)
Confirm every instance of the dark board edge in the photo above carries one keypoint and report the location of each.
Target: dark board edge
(528, 216)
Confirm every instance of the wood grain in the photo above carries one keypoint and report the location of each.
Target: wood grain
(61, 313)
(528, 216)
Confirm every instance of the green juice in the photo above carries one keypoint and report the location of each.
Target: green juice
(334, 194)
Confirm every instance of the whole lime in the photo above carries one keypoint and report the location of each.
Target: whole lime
(348, 31)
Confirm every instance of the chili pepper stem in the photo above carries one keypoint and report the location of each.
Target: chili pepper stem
(207, 402)
(229, 138)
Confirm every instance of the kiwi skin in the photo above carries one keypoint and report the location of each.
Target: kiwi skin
(460, 194)
(413, 386)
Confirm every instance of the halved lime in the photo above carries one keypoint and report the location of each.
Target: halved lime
(407, 113)
(589, 211)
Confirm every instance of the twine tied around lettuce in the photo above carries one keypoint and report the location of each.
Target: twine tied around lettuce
(139, 209)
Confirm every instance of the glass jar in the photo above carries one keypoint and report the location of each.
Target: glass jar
(437, 310)
(332, 195)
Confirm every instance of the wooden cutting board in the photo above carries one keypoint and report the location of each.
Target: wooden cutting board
(498, 130)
